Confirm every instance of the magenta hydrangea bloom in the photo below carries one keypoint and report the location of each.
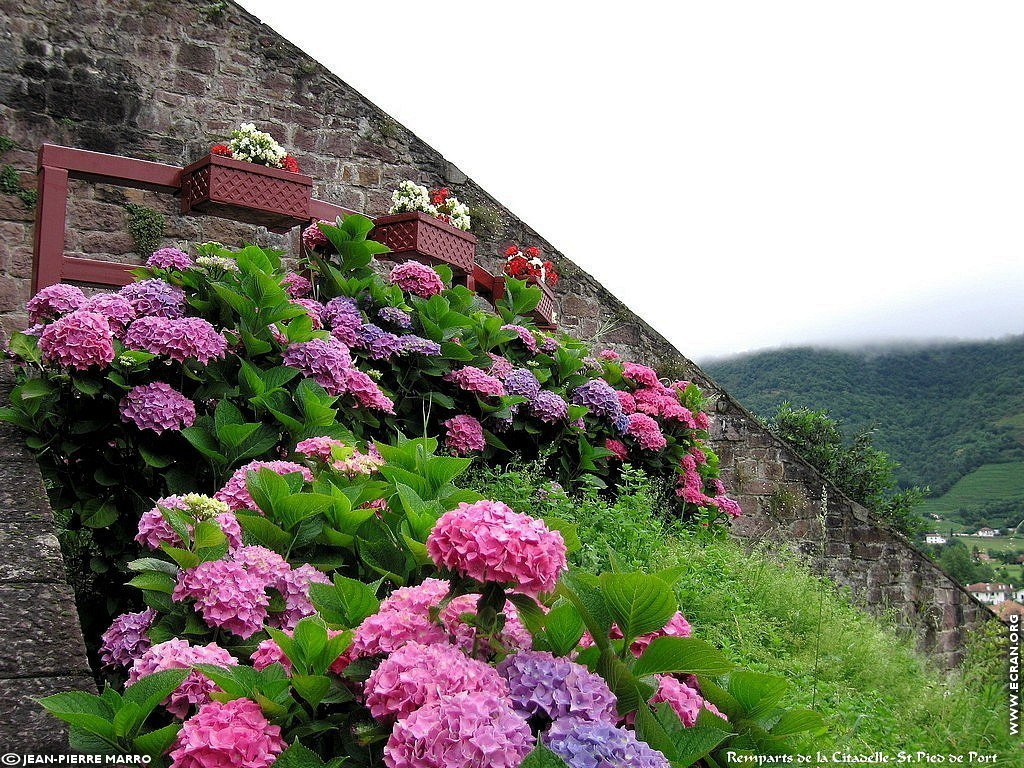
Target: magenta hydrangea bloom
(296, 285)
(618, 448)
(417, 278)
(728, 506)
(126, 639)
(115, 307)
(155, 298)
(180, 338)
(233, 733)
(169, 258)
(608, 354)
(326, 361)
(227, 595)
(488, 541)
(157, 407)
(465, 435)
(416, 674)
(549, 407)
(79, 340)
(500, 366)
(53, 301)
(466, 730)
(178, 654)
(595, 744)
(514, 636)
(236, 495)
(686, 701)
(471, 379)
(677, 626)
(646, 431)
(542, 684)
(314, 309)
(627, 401)
(599, 397)
(525, 335)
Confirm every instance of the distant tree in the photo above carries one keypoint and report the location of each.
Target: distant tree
(956, 559)
(861, 471)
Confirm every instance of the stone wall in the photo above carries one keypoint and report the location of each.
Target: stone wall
(163, 81)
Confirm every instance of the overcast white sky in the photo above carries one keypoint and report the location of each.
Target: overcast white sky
(742, 174)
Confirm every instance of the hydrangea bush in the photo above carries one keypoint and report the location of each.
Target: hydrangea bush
(311, 641)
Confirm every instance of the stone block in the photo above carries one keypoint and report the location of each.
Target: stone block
(25, 727)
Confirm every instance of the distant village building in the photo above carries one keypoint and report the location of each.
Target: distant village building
(984, 557)
(988, 533)
(1010, 608)
(994, 594)
(934, 538)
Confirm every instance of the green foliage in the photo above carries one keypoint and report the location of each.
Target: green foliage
(991, 495)
(956, 559)
(940, 411)
(10, 184)
(860, 470)
(146, 228)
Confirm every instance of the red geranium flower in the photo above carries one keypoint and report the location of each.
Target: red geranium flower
(290, 164)
(221, 149)
(512, 250)
(438, 196)
(533, 252)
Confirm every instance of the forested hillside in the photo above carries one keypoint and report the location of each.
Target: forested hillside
(943, 411)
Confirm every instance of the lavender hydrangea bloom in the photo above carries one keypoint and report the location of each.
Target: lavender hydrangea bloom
(385, 346)
(622, 423)
(549, 407)
(342, 310)
(542, 684)
(395, 316)
(169, 258)
(599, 396)
(588, 744)
(126, 640)
(521, 381)
(366, 334)
(155, 298)
(417, 345)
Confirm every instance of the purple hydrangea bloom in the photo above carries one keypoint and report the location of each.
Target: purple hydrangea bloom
(417, 345)
(342, 310)
(155, 298)
(589, 744)
(521, 381)
(622, 423)
(396, 317)
(157, 407)
(366, 334)
(326, 361)
(549, 407)
(126, 640)
(599, 396)
(169, 258)
(116, 308)
(549, 345)
(179, 338)
(542, 684)
(525, 336)
(385, 346)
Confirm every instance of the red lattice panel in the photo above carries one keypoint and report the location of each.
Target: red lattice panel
(424, 238)
(255, 194)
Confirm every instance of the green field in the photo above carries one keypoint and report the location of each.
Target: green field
(990, 482)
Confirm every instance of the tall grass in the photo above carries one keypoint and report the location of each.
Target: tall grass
(769, 612)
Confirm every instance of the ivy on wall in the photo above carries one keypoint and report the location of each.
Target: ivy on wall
(145, 226)
(10, 179)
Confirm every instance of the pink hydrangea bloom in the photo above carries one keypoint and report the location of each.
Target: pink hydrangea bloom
(178, 654)
(387, 631)
(53, 301)
(235, 493)
(487, 541)
(618, 448)
(126, 639)
(686, 701)
(227, 595)
(514, 636)
(180, 338)
(79, 340)
(701, 420)
(627, 401)
(313, 237)
(269, 652)
(223, 734)
(641, 374)
(366, 392)
(169, 258)
(608, 354)
(677, 626)
(294, 588)
(326, 361)
(646, 431)
(297, 285)
(157, 407)
(435, 735)
(314, 309)
(416, 674)
(472, 379)
(525, 335)
(728, 506)
(417, 278)
(155, 298)
(465, 435)
(116, 308)
(154, 529)
(418, 599)
(500, 366)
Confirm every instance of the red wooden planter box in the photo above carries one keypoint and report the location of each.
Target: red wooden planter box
(545, 314)
(422, 237)
(247, 192)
